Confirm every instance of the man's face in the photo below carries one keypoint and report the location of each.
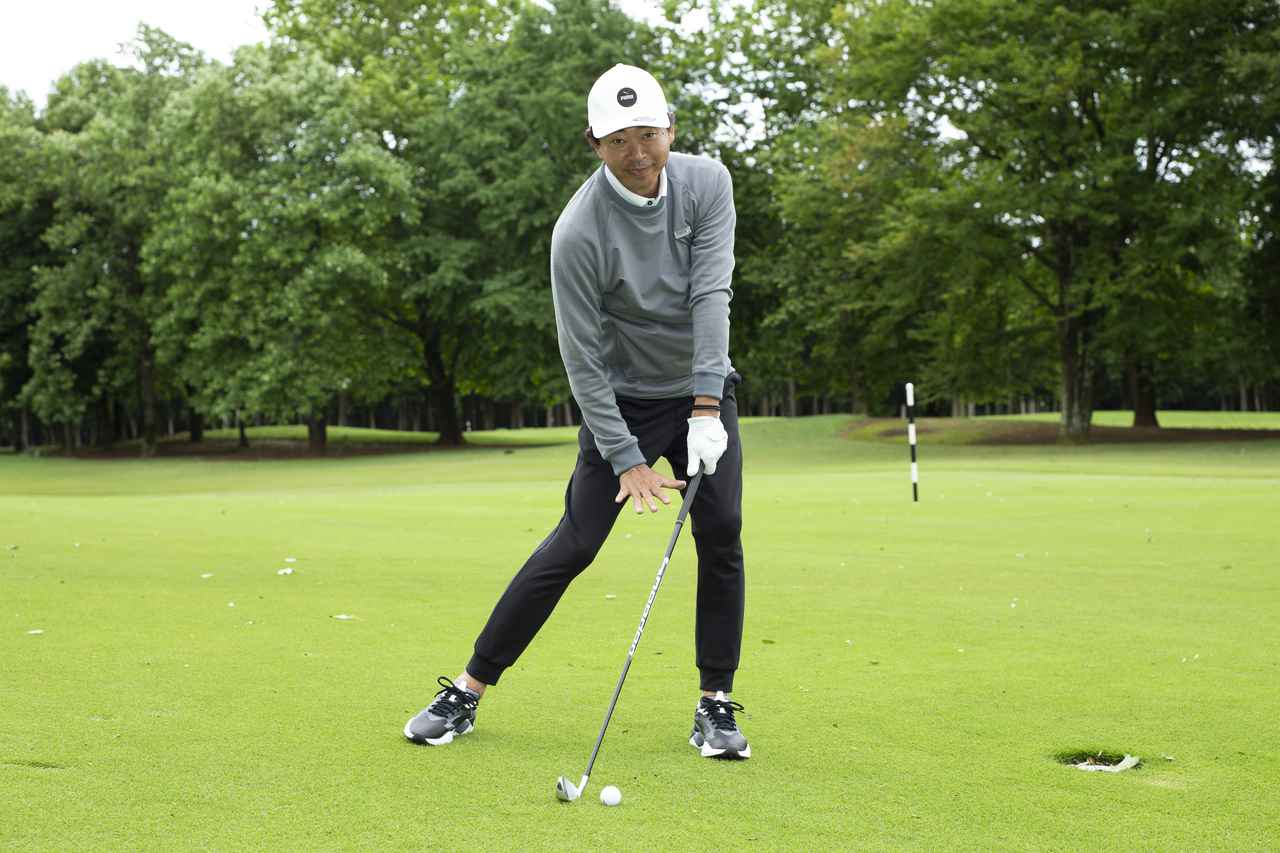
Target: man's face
(636, 156)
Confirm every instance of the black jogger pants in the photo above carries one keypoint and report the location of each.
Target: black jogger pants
(589, 513)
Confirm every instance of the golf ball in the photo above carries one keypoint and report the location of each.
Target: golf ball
(610, 796)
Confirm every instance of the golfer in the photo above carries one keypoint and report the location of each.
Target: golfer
(641, 262)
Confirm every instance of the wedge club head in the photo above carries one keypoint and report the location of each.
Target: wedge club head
(566, 791)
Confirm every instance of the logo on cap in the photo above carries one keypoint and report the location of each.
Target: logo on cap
(627, 96)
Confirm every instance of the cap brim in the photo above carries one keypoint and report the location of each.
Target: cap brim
(601, 131)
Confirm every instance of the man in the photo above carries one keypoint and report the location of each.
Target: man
(641, 263)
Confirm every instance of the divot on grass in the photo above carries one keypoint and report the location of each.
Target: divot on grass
(1100, 761)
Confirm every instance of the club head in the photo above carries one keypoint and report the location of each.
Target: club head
(566, 791)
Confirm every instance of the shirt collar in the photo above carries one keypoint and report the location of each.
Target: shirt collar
(634, 198)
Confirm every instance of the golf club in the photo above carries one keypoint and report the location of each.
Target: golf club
(566, 790)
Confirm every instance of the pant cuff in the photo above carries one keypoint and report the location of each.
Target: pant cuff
(714, 679)
(483, 670)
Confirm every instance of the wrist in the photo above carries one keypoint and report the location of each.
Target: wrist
(705, 406)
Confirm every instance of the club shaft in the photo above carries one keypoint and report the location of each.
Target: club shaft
(644, 617)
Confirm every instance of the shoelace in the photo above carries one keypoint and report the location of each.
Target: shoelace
(451, 699)
(721, 713)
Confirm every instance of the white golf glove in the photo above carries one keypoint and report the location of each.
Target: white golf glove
(707, 443)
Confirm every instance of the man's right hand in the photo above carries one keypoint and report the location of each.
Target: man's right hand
(644, 484)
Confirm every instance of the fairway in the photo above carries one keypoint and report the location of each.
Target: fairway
(909, 670)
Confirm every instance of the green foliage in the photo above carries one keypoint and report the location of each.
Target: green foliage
(94, 304)
(272, 238)
(26, 210)
(992, 199)
(1064, 150)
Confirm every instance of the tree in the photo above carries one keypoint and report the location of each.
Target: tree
(1073, 141)
(26, 211)
(95, 304)
(272, 239)
(488, 112)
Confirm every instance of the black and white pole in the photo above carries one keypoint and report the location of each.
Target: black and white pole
(911, 438)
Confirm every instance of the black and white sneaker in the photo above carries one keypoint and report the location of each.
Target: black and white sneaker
(715, 731)
(452, 713)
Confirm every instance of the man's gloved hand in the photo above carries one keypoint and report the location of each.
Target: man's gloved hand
(707, 443)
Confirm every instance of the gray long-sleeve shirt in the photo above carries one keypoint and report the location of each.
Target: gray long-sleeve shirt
(642, 296)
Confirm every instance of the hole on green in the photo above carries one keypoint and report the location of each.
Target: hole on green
(1097, 759)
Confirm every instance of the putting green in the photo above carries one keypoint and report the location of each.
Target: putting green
(909, 670)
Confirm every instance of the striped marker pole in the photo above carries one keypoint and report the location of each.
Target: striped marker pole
(911, 438)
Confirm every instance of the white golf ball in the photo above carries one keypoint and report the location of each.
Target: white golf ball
(610, 795)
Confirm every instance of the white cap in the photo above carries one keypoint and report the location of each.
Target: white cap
(625, 96)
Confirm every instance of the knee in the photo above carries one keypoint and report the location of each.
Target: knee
(720, 530)
(561, 558)
(575, 555)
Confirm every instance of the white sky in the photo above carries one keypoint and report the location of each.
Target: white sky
(41, 41)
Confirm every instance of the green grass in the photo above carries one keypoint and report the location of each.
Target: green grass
(340, 437)
(1172, 419)
(910, 670)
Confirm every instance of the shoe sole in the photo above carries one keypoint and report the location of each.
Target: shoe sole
(445, 738)
(708, 751)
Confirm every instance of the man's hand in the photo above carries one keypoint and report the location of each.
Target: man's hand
(707, 443)
(643, 483)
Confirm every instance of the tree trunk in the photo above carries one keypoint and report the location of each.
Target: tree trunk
(104, 427)
(1142, 390)
(244, 436)
(444, 398)
(517, 416)
(197, 427)
(147, 388)
(1077, 381)
(24, 429)
(317, 433)
(1244, 396)
(791, 398)
(344, 401)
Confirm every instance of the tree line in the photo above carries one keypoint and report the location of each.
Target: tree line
(1016, 205)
